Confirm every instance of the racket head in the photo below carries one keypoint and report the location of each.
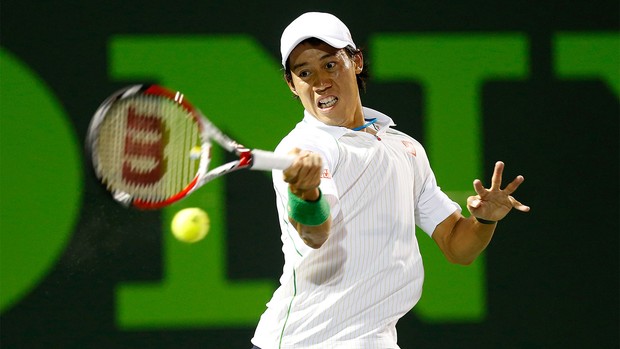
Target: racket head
(148, 146)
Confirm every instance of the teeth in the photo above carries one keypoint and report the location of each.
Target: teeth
(328, 102)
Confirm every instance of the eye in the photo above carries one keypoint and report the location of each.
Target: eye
(330, 65)
(303, 74)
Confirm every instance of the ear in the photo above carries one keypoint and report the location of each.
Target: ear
(358, 59)
(291, 86)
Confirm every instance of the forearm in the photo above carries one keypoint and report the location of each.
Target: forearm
(314, 232)
(313, 236)
(467, 239)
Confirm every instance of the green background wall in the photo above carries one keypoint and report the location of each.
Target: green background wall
(535, 84)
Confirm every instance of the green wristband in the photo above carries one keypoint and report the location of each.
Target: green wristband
(311, 213)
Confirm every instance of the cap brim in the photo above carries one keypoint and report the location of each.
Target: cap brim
(335, 43)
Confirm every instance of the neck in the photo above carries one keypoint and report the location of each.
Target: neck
(358, 118)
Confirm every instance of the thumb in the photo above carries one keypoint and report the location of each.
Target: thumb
(473, 202)
(294, 151)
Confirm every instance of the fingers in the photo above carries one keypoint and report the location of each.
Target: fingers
(291, 172)
(479, 188)
(496, 180)
(495, 193)
(305, 172)
(309, 175)
(518, 206)
(512, 186)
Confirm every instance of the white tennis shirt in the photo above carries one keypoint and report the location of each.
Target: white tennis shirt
(350, 292)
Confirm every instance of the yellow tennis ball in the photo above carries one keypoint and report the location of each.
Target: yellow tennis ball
(190, 225)
(195, 152)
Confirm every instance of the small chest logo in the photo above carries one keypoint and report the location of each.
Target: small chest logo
(326, 174)
(409, 148)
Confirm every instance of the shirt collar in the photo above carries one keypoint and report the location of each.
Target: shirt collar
(383, 123)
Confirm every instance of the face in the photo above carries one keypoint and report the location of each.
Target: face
(324, 79)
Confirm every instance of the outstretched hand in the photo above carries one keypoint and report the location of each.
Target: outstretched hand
(493, 204)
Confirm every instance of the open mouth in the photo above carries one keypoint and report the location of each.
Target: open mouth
(327, 102)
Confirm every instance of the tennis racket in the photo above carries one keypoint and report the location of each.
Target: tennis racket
(151, 147)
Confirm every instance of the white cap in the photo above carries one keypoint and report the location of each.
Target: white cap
(323, 26)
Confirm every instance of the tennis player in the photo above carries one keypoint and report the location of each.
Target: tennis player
(349, 205)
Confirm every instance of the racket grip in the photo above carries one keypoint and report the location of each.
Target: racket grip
(266, 161)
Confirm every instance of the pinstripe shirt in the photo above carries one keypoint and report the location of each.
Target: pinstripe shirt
(351, 291)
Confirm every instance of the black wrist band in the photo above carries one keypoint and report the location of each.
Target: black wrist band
(484, 221)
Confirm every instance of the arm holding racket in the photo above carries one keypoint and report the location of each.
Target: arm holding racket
(308, 210)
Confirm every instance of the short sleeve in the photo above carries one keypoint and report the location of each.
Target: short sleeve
(433, 206)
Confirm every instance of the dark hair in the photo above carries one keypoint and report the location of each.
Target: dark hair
(361, 78)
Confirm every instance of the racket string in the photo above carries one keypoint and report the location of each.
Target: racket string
(144, 148)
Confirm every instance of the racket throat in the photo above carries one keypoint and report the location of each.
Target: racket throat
(245, 157)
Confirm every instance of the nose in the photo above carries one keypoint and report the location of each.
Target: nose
(323, 82)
